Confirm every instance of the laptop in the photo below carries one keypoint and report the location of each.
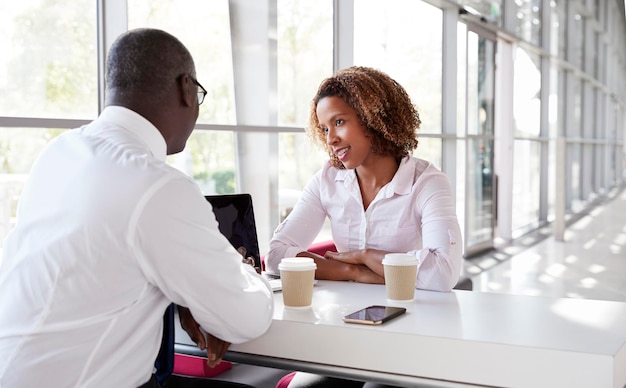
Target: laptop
(235, 217)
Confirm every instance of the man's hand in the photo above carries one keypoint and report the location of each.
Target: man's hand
(189, 324)
(215, 350)
(248, 259)
(215, 347)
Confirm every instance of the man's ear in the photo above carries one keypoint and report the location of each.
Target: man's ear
(186, 90)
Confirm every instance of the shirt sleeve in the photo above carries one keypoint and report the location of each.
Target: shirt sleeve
(181, 251)
(441, 256)
(299, 229)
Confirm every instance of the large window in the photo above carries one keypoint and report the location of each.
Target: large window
(304, 55)
(204, 27)
(404, 39)
(527, 146)
(304, 58)
(528, 20)
(48, 66)
(48, 69)
(261, 62)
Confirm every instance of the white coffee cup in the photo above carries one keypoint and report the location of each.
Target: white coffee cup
(297, 275)
(400, 274)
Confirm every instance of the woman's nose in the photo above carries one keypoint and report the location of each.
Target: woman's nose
(331, 136)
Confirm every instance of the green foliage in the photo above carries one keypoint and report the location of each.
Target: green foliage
(224, 181)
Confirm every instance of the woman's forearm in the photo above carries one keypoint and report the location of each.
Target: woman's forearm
(337, 270)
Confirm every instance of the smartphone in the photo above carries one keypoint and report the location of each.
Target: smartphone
(374, 315)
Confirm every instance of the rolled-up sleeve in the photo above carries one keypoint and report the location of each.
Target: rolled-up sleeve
(442, 249)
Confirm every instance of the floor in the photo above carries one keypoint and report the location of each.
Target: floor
(590, 263)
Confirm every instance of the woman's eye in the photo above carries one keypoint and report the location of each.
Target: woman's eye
(324, 129)
(338, 121)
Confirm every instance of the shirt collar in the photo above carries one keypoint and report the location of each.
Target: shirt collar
(138, 125)
(400, 184)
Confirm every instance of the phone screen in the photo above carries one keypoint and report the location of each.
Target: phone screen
(374, 315)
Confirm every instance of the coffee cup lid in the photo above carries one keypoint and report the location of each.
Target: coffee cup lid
(399, 259)
(297, 264)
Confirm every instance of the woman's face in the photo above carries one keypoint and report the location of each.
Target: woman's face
(345, 135)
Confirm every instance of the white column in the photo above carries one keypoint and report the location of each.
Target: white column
(112, 22)
(503, 144)
(343, 37)
(253, 37)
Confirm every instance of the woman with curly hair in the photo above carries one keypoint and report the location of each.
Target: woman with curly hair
(378, 197)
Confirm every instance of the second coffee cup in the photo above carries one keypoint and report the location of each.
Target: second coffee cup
(400, 274)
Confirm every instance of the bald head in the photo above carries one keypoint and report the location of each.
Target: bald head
(147, 71)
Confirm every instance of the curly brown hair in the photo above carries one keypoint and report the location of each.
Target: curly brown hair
(381, 104)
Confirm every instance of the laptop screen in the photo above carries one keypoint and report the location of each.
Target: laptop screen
(235, 216)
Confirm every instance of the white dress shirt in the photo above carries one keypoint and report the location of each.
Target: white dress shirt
(414, 213)
(107, 236)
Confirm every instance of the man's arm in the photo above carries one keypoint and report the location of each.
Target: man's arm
(181, 251)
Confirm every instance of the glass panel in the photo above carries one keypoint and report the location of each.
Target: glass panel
(461, 173)
(576, 130)
(305, 58)
(561, 9)
(576, 55)
(551, 180)
(556, 82)
(526, 93)
(298, 161)
(461, 80)
(526, 166)
(528, 20)
(490, 10)
(19, 147)
(479, 120)
(209, 158)
(305, 55)
(206, 33)
(390, 36)
(480, 84)
(48, 66)
(430, 149)
(557, 28)
(574, 176)
(479, 197)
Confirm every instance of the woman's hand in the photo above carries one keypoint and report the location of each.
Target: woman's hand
(370, 258)
(363, 274)
(348, 268)
(354, 257)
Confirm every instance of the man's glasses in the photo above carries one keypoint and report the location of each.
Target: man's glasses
(201, 91)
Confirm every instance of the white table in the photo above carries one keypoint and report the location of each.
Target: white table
(455, 339)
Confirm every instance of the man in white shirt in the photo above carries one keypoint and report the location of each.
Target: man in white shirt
(108, 236)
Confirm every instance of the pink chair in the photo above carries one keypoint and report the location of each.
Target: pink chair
(193, 366)
(322, 247)
(285, 380)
